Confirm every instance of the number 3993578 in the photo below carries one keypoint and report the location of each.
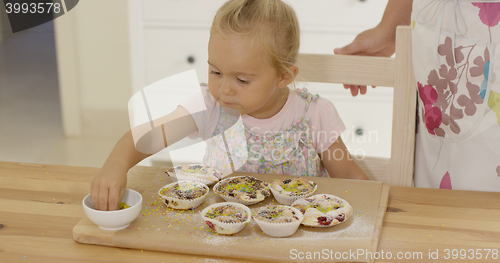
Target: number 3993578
(471, 254)
(33, 8)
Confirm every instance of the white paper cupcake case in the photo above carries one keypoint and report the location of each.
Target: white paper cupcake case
(182, 176)
(285, 199)
(315, 213)
(280, 229)
(226, 228)
(233, 199)
(182, 203)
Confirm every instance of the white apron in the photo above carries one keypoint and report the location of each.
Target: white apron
(454, 56)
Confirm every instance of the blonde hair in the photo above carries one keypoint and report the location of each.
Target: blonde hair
(272, 23)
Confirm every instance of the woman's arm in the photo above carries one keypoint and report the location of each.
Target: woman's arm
(380, 40)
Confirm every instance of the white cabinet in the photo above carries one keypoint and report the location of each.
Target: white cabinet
(171, 36)
(171, 51)
(350, 16)
(181, 12)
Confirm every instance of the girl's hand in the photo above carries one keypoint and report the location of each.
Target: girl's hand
(378, 41)
(109, 184)
(107, 188)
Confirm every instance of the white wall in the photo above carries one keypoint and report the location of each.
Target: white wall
(94, 68)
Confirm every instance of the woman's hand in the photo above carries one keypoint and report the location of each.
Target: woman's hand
(378, 41)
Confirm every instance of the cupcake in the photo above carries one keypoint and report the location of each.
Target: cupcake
(323, 210)
(183, 195)
(195, 173)
(289, 190)
(278, 220)
(226, 218)
(246, 190)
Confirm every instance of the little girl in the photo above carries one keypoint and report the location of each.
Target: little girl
(252, 121)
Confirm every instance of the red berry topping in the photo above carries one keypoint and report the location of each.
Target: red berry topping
(324, 221)
(210, 225)
(340, 217)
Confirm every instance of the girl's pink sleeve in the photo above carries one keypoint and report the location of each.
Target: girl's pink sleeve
(203, 108)
(326, 124)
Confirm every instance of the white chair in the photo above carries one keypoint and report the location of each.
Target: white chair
(377, 71)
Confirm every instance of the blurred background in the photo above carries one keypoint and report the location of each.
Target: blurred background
(65, 85)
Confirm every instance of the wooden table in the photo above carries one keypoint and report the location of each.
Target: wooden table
(40, 204)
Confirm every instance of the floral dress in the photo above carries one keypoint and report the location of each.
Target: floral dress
(234, 147)
(454, 56)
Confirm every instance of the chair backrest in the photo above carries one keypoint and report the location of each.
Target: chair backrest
(394, 72)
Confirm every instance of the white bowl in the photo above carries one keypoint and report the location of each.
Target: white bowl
(118, 219)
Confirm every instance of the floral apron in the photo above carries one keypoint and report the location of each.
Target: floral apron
(234, 147)
(458, 134)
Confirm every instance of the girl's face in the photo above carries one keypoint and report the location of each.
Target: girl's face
(240, 77)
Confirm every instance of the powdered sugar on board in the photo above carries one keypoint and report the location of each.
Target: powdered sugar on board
(184, 231)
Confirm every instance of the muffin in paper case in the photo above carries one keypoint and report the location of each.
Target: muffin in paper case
(194, 173)
(183, 195)
(226, 218)
(278, 220)
(288, 191)
(323, 210)
(246, 190)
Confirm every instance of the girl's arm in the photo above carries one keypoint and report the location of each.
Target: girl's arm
(339, 163)
(108, 185)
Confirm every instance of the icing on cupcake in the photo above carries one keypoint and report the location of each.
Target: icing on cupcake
(276, 214)
(183, 195)
(323, 210)
(226, 218)
(244, 189)
(228, 214)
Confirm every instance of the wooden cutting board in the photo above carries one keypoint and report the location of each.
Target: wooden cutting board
(183, 231)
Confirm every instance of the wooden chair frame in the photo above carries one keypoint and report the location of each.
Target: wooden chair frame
(377, 71)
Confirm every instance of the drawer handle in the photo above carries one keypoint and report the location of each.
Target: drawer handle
(360, 131)
(190, 59)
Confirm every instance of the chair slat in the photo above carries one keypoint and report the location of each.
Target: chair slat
(356, 70)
